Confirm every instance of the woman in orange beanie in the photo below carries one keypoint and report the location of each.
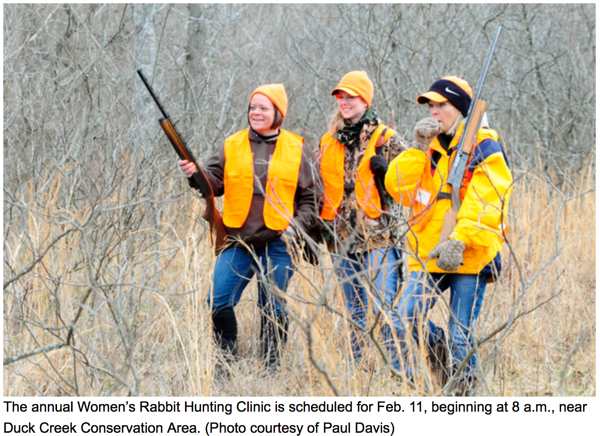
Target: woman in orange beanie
(465, 261)
(265, 174)
(359, 230)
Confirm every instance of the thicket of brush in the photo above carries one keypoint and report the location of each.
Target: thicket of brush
(132, 316)
(107, 263)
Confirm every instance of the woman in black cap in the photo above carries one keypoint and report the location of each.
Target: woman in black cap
(470, 257)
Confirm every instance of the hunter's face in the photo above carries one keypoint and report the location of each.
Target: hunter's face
(261, 115)
(352, 108)
(444, 112)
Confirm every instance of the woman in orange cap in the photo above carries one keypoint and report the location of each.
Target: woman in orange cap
(467, 260)
(265, 174)
(358, 228)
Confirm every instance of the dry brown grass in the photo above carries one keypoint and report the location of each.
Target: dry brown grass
(150, 331)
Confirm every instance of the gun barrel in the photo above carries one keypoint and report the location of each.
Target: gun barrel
(457, 161)
(180, 145)
(211, 214)
(470, 129)
(153, 94)
(488, 61)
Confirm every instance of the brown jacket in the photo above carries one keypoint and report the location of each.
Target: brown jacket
(254, 232)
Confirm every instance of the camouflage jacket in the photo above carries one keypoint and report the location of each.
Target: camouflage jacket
(351, 231)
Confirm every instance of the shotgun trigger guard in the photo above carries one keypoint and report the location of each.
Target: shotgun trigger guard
(203, 185)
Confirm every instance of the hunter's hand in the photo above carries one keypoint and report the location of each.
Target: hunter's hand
(186, 168)
(424, 132)
(449, 254)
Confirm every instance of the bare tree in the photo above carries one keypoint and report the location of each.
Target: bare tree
(106, 261)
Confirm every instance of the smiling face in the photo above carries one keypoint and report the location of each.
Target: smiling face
(261, 115)
(445, 113)
(352, 108)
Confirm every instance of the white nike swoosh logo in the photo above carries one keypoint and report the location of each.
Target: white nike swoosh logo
(451, 92)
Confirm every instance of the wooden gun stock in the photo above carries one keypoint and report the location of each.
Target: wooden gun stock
(473, 127)
(462, 157)
(450, 219)
(211, 214)
(215, 222)
(175, 140)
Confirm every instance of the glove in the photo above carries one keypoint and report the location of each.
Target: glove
(379, 166)
(449, 254)
(424, 132)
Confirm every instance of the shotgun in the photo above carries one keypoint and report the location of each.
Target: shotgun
(465, 146)
(211, 214)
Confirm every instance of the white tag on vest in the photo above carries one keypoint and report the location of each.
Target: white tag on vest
(423, 197)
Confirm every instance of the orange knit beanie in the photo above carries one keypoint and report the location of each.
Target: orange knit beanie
(276, 93)
(356, 83)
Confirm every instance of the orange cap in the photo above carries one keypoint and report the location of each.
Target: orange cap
(276, 93)
(357, 84)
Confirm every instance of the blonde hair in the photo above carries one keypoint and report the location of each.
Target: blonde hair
(337, 122)
(454, 127)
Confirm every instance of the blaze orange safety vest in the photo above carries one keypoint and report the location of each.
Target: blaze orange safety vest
(332, 170)
(282, 180)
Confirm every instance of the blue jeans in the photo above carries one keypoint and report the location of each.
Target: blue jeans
(356, 271)
(236, 266)
(466, 295)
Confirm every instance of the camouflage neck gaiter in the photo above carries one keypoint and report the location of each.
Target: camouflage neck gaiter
(349, 135)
